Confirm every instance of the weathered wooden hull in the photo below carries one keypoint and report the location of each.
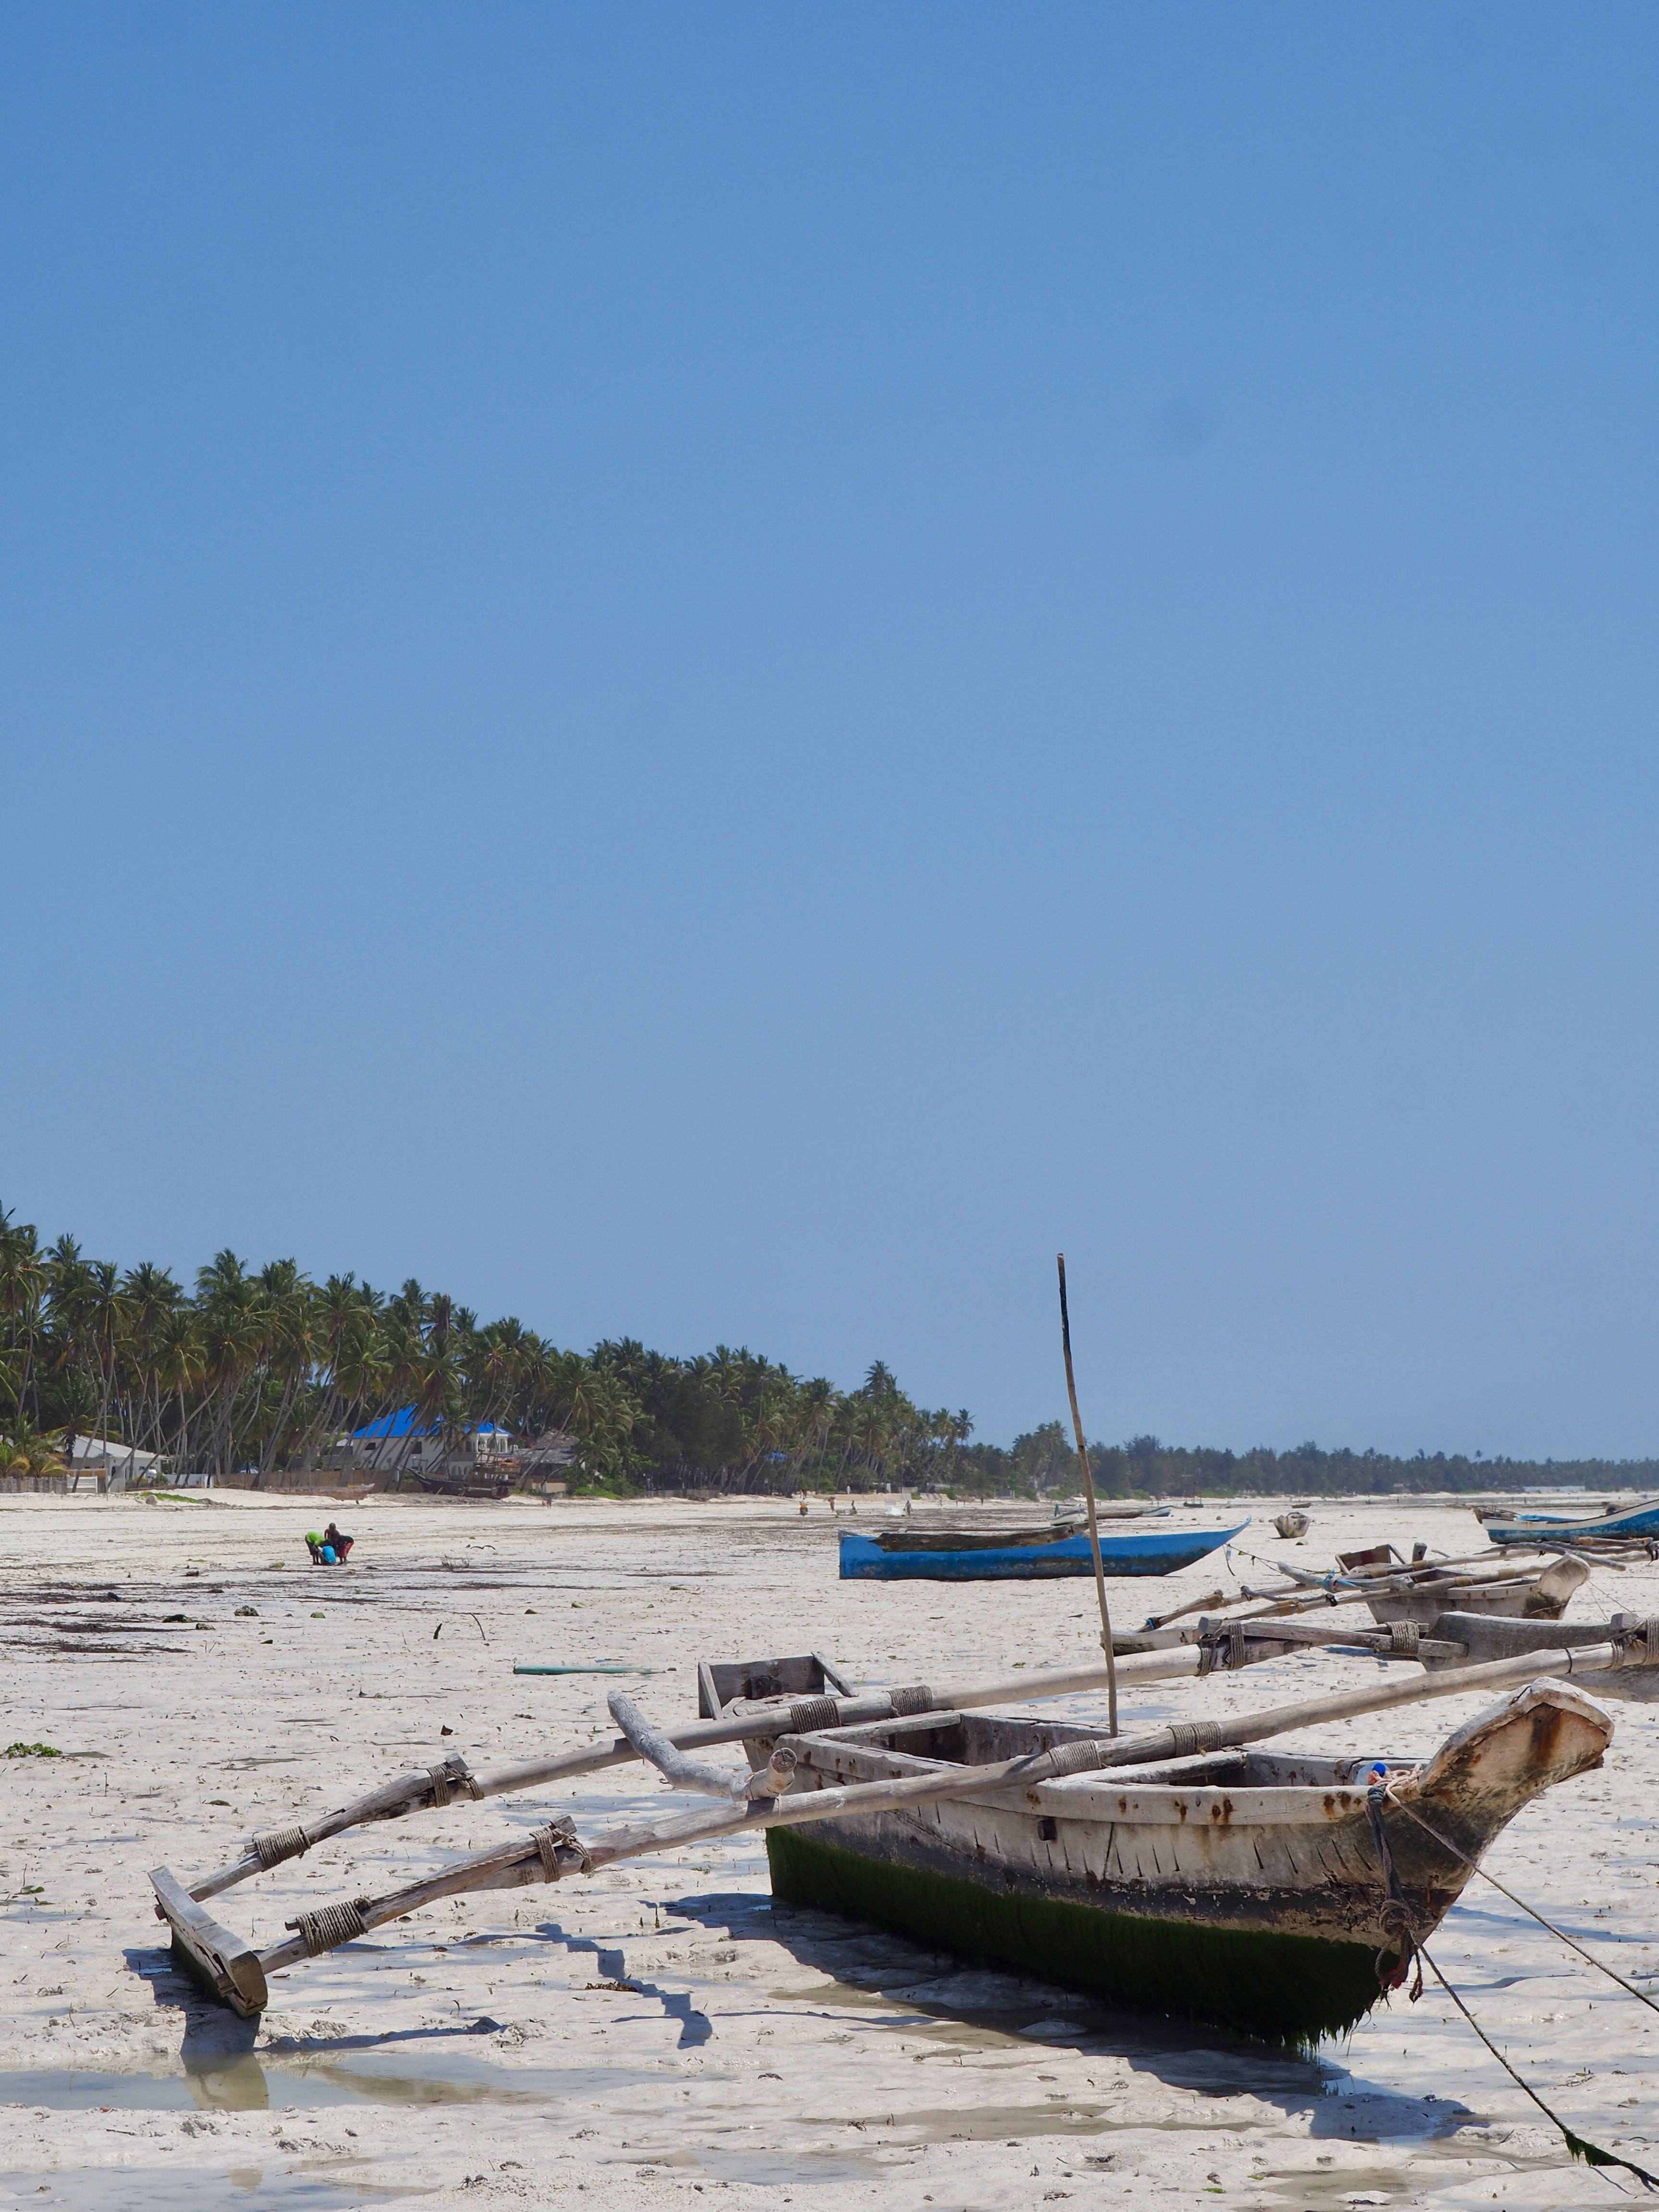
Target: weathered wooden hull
(1245, 1890)
(1142, 1551)
(1507, 1600)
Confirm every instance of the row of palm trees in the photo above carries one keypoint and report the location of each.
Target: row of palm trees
(261, 1371)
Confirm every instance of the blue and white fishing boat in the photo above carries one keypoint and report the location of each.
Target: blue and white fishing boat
(906, 1553)
(1641, 1519)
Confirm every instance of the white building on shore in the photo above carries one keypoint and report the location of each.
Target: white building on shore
(90, 1457)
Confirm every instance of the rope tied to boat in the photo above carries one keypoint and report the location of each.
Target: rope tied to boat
(1577, 2145)
(1396, 1914)
(275, 1846)
(1221, 1647)
(1638, 1642)
(334, 1925)
(557, 1835)
(452, 1772)
(918, 1699)
(1404, 1638)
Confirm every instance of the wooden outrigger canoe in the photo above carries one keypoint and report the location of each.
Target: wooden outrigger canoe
(1170, 1867)
(1246, 1889)
(1539, 1595)
(1020, 1555)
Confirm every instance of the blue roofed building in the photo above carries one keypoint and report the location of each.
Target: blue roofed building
(401, 1444)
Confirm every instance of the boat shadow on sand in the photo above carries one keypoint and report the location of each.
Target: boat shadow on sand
(876, 1983)
(873, 1984)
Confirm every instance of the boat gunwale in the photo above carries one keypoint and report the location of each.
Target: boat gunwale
(1091, 1798)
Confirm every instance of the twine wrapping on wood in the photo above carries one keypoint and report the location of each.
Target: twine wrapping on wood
(562, 1832)
(1077, 1758)
(334, 1925)
(1190, 1738)
(277, 1844)
(808, 1715)
(918, 1699)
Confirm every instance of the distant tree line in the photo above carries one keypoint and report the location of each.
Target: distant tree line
(256, 1372)
(1043, 1462)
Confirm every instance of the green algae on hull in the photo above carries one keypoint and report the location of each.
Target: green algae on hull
(1287, 1988)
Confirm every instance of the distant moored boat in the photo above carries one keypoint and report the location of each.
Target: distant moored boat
(1503, 1527)
(1032, 1554)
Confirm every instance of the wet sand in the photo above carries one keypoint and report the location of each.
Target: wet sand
(661, 2032)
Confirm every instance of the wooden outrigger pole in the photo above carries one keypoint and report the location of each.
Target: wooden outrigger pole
(452, 1781)
(1088, 1494)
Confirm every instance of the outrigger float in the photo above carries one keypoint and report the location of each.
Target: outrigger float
(1174, 1868)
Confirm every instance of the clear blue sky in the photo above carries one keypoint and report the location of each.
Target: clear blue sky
(718, 674)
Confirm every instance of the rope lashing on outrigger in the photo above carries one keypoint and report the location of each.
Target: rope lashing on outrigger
(274, 1847)
(557, 1835)
(334, 1924)
(1222, 1646)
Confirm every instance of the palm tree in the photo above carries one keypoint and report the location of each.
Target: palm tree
(293, 1349)
(153, 1298)
(231, 1338)
(105, 1315)
(179, 1365)
(23, 1285)
(26, 1450)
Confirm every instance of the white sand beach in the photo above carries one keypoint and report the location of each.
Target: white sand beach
(661, 2032)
